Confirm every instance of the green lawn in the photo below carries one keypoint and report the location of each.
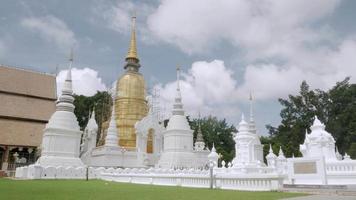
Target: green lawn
(97, 190)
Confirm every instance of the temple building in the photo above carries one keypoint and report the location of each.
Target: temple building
(130, 104)
(27, 101)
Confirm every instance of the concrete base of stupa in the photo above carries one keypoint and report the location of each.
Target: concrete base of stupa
(55, 161)
(115, 156)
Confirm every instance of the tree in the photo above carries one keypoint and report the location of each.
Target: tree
(352, 150)
(101, 102)
(218, 132)
(335, 108)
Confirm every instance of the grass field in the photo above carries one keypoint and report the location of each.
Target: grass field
(97, 190)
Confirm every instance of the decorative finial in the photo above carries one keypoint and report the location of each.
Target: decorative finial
(270, 148)
(178, 78)
(71, 55)
(252, 126)
(242, 117)
(93, 113)
(178, 105)
(132, 53)
(280, 151)
(251, 108)
(213, 148)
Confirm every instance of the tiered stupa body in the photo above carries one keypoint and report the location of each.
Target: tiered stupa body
(61, 138)
(90, 135)
(178, 139)
(130, 104)
(248, 147)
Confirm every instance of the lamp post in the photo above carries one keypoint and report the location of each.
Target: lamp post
(211, 168)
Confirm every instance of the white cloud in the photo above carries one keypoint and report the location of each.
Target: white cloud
(283, 42)
(322, 69)
(207, 87)
(85, 81)
(263, 26)
(117, 16)
(52, 30)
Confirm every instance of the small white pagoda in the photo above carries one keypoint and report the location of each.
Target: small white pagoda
(62, 135)
(178, 151)
(89, 137)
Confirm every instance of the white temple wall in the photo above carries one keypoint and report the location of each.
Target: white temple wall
(306, 171)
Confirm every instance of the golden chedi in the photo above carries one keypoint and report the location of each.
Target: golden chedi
(130, 104)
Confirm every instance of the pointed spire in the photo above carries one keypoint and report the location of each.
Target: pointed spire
(132, 53)
(280, 153)
(251, 109)
(243, 125)
(111, 138)
(92, 122)
(213, 148)
(93, 114)
(178, 105)
(213, 156)
(178, 79)
(199, 134)
(270, 154)
(71, 56)
(66, 99)
(317, 124)
(252, 125)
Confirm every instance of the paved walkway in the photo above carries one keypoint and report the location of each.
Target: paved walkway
(323, 197)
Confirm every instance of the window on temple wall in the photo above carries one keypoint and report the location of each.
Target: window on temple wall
(150, 141)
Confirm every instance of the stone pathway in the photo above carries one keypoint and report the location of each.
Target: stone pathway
(323, 197)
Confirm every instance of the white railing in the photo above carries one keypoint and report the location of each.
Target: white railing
(196, 178)
(222, 179)
(341, 166)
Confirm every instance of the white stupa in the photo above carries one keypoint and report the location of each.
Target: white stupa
(249, 152)
(90, 135)
(111, 139)
(61, 138)
(199, 144)
(248, 148)
(178, 139)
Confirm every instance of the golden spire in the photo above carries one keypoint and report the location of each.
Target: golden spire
(132, 53)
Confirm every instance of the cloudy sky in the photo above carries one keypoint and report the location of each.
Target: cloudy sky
(226, 48)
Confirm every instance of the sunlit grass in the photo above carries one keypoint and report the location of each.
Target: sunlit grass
(96, 190)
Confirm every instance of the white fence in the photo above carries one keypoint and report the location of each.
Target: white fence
(196, 178)
(61, 172)
(341, 166)
(166, 177)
